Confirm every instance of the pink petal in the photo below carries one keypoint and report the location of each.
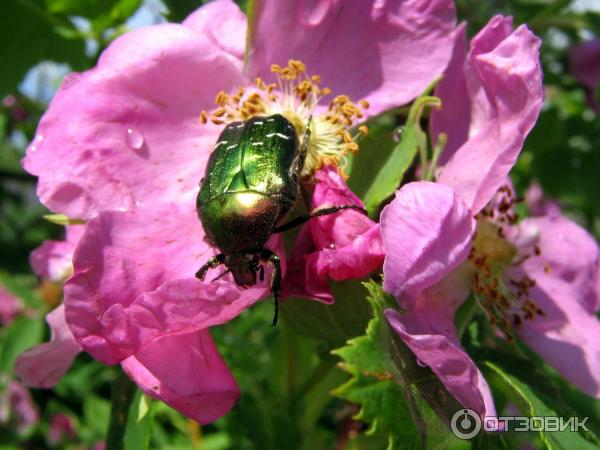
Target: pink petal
(44, 365)
(16, 404)
(427, 233)
(584, 62)
(134, 281)
(187, 373)
(128, 132)
(429, 331)
(538, 204)
(10, 307)
(454, 116)
(567, 336)
(341, 246)
(61, 427)
(53, 259)
(571, 253)
(504, 80)
(223, 23)
(302, 279)
(386, 52)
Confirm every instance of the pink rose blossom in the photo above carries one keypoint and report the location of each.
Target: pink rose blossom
(491, 97)
(122, 146)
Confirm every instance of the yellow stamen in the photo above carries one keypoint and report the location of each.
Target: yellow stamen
(295, 95)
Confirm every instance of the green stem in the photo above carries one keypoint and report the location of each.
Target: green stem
(437, 151)
(465, 313)
(122, 394)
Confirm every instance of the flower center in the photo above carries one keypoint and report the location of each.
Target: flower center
(504, 298)
(295, 96)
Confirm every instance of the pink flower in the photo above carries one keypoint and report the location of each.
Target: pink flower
(44, 365)
(53, 260)
(584, 62)
(491, 97)
(122, 147)
(16, 406)
(10, 307)
(61, 427)
(341, 246)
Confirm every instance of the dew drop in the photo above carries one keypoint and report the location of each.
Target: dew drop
(134, 139)
(397, 134)
(331, 246)
(34, 146)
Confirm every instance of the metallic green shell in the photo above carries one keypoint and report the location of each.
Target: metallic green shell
(256, 155)
(250, 183)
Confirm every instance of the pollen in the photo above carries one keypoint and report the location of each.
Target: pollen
(504, 297)
(299, 97)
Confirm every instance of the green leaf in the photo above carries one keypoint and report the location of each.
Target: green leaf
(23, 333)
(31, 34)
(23, 287)
(391, 387)
(334, 324)
(180, 9)
(61, 219)
(102, 13)
(375, 149)
(96, 414)
(391, 173)
(530, 404)
(139, 423)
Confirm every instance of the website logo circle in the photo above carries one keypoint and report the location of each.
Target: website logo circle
(465, 424)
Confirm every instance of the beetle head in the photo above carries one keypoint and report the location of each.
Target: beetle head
(243, 268)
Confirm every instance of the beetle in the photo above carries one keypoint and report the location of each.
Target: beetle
(250, 185)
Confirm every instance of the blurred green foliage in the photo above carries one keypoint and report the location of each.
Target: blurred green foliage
(285, 374)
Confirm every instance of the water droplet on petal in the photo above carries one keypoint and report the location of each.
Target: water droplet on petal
(34, 146)
(134, 139)
(331, 246)
(397, 134)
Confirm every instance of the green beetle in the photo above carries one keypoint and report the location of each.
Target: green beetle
(250, 185)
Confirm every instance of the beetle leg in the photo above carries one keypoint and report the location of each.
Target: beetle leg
(316, 213)
(218, 277)
(213, 262)
(261, 272)
(268, 256)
